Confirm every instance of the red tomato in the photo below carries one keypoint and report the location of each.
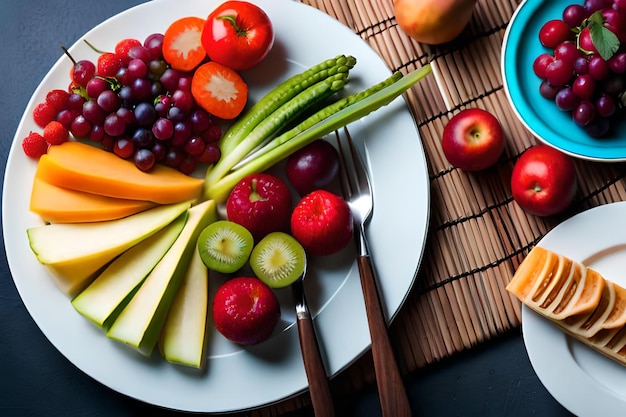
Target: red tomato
(544, 182)
(238, 35)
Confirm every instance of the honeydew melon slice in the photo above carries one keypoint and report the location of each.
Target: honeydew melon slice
(140, 322)
(104, 298)
(182, 339)
(75, 252)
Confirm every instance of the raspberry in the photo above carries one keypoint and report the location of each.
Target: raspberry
(108, 64)
(34, 145)
(43, 114)
(122, 48)
(55, 133)
(58, 99)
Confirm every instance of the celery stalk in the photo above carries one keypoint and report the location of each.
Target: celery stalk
(220, 188)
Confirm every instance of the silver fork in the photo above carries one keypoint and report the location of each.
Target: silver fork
(357, 192)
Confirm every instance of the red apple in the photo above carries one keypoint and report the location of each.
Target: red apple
(473, 140)
(261, 203)
(544, 182)
(322, 223)
(245, 310)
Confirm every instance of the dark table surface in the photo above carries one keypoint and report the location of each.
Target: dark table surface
(493, 379)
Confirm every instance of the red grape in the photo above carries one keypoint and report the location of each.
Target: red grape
(554, 32)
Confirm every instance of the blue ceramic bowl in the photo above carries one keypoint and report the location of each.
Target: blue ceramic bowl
(541, 116)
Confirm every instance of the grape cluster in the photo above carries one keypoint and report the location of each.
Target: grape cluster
(134, 104)
(584, 73)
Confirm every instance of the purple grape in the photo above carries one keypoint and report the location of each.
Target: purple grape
(143, 138)
(547, 90)
(96, 86)
(157, 67)
(154, 44)
(97, 133)
(598, 67)
(200, 120)
(584, 86)
(566, 99)
(617, 63)
(605, 106)
(169, 79)
(145, 114)
(141, 89)
(194, 146)
(75, 102)
(187, 165)
(211, 154)
(175, 114)
(93, 112)
(114, 125)
(144, 159)
(80, 127)
(127, 116)
(174, 157)
(124, 148)
(183, 100)
(574, 14)
(159, 151)
(182, 133)
(137, 68)
(584, 113)
(140, 52)
(83, 71)
(109, 101)
(163, 129)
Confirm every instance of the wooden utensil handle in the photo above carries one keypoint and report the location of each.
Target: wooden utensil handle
(319, 388)
(391, 391)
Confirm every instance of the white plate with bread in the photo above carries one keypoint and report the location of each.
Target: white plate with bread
(584, 380)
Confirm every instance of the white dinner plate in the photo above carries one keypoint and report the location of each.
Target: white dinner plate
(239, 378)
(584, 381)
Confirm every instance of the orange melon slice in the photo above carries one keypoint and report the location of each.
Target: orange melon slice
(83, 167)
(62, 205)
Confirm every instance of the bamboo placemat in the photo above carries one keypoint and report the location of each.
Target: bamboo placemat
(478, 235)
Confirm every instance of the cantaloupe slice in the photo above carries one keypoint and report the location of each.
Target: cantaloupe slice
(587, 325)
(62, 205)
(585, 305)
(617, 317)
(532, 269)
(83, 167)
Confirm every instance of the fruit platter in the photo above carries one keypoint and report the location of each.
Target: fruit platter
(233, 375)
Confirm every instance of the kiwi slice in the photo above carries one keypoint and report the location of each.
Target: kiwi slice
(278, 259)
(225, 246)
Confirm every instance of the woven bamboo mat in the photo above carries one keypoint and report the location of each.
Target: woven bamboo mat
(478, 235)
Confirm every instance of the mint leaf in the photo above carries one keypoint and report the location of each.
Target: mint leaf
(604, 40)
(596, 17)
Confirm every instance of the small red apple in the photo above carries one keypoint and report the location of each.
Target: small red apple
(322, 223)
(261, 203)
(245, 310)
(544, 182)
(473, 140)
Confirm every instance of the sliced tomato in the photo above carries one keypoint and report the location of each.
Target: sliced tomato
(219, 90)
(182, 43)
